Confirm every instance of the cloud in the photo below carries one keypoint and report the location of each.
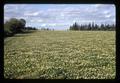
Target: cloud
(108, 16)
(43, 25)
(31, 14)
(60, 15)
(39, 20)
(106, 12)
(97, 5)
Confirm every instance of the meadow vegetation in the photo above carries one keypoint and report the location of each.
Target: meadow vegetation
(60, 55)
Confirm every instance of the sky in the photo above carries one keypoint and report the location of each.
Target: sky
(60, 16)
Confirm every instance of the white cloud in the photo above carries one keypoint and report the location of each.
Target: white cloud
(43, 25)
(60, 15)
(39, 20)
(31, 13)
(6, 18)
(106, 12)
(32, 21)
(97, 5)
(108, 16)
(36, 20)
(89, 10)
(52, 24)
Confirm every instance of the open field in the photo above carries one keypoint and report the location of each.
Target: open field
(60, 55)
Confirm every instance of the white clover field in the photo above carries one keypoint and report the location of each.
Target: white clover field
(60, 55)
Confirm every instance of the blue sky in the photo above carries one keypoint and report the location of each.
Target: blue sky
(60, 16)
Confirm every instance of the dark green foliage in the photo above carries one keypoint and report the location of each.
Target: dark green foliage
(92, 26)
(76, 26)
(47, 29)
(30, 28)
(23, 22)
(14, 26)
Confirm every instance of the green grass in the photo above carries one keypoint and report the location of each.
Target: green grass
(60, 55)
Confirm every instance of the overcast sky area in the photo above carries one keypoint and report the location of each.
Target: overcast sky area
(60, 16)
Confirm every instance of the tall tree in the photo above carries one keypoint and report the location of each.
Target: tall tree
(22, 22)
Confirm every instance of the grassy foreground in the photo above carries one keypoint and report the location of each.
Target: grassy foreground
(60, 55)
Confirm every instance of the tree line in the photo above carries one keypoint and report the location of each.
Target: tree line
(46, 29)
(14, 26)
(30, 28)
(92, 26)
